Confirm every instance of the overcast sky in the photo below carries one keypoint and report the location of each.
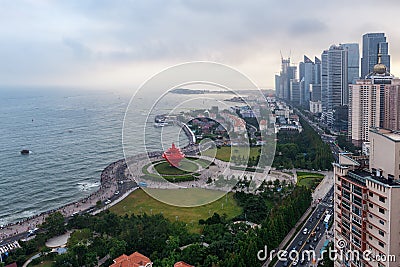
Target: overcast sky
(119, 44)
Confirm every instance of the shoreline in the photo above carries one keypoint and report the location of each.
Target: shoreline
(107, 189)
(109, 185)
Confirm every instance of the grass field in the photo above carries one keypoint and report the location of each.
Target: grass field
(139, 202)
(309, 179)
(224, 153)
(185, 167)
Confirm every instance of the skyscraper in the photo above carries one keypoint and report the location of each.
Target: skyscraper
(295, 91)
(282, 81)
(315, 88)
(353, 62)
(306, 77)
(374, 44)
(334, 81)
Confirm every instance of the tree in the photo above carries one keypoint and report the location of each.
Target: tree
(54, 224)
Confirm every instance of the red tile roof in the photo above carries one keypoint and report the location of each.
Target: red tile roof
(182, 264)
(134, 260)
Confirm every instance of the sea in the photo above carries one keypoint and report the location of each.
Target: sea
(72, 136)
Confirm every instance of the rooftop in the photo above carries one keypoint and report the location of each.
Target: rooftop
(182, 264)
(134, 260)
(393, 135)
(360, 177)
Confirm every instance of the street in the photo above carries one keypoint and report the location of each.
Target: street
(311, 236)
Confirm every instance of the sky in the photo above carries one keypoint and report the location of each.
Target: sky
(118, 45)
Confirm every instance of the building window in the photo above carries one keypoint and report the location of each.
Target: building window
(371, 194)
(381, 233)
(370, 237)
(382, 222)
(381, 210)
(382, 199)
(371, 205)
(381, 244)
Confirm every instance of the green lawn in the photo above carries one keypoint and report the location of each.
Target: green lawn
(202, 162)
(309, 179)
(185, 167)
(139, 202)
(224, 153)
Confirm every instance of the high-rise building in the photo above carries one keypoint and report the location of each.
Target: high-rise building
(324, 80)
(295, 91)
(373, 45)
(367, 103)
(334, 79)
(315, 88)
(353, 62)
(282, 81)
(278, 92)
(317, 71)
(307, 77)
(391, 118)
(366, 202)
(363, 110)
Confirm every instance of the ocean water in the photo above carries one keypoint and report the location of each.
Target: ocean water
(73, 136)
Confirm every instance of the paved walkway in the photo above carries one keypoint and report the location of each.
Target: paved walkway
(58, 241)
(107, 189)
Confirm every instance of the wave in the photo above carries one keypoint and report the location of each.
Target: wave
(85, 186)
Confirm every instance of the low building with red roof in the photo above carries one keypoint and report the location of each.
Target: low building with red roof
(182, 264)
(134, 260)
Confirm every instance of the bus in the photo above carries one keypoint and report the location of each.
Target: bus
(327, 218)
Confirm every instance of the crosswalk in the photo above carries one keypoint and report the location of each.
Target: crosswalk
(5, 248)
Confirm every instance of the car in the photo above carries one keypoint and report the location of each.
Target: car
(300, 243)
(294, 248)
(308, 241)
(311, 246)
(317, 229)
(294, 263)
(318, 216)
(305, 231)
(285, 264)
(315, 239)
(116, 193)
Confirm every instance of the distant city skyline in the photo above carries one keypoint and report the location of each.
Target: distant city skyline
(118, 46)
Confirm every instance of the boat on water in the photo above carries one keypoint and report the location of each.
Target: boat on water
(25, 152)
(160, 124)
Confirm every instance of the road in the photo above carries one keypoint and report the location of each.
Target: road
(329, 139)
(315, 232)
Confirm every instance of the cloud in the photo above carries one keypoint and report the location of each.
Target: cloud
(47, 40)
(307, 26)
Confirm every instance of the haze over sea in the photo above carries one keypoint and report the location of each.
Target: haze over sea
(73, 136)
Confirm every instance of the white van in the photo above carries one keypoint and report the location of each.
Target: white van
(305, 231)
